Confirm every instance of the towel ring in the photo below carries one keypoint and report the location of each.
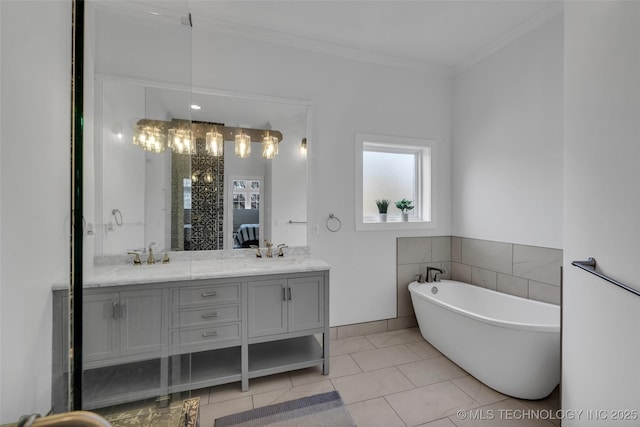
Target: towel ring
(333, 223)
(117, 214)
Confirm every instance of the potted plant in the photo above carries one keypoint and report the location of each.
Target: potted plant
(383, 205)
(405, 206)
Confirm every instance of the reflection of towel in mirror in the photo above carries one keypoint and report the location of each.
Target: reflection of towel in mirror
(246, 233)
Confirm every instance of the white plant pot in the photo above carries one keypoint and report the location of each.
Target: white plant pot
(405, 217)
(382, 217)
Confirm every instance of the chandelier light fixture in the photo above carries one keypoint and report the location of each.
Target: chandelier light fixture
(269, 147)
(303, 146)
(150, 138)
(214, 143)
(243, 145)
(181, 141)
(183, 136)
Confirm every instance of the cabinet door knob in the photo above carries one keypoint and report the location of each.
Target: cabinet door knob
(210, 334)
(289, 292)
(208, 315)
(114, 310)
(209, 294)
(123, 310)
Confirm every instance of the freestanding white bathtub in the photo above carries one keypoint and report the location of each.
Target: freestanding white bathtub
(509, 343)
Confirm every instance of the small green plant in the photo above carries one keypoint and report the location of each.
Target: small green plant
(383, 205)
(404, 205)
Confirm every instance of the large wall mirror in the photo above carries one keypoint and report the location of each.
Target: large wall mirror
(136, 198)
(198, 201)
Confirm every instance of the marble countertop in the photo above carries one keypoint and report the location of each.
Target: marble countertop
(195, 269)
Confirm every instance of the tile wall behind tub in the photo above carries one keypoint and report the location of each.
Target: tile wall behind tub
(526, 271)
(414, 255)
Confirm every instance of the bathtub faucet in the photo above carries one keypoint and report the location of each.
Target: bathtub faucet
(436, 278)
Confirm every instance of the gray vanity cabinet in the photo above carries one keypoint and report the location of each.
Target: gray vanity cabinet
(141, 322)
(267, 307)
(159, 338)
(285, 305)
(306, 303)
(100, 335)
(123, 325)
(206, 316)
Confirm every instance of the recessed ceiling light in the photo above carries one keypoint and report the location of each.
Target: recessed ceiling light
(195, 107)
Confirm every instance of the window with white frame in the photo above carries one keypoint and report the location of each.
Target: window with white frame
(393, 168)
(246, 194)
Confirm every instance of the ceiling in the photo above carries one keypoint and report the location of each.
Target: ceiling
(254, 113)
(441, 35)
(422, 33)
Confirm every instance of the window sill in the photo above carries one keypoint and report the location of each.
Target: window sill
(394, 225)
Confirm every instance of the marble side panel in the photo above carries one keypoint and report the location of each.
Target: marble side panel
(536, 263)
(414, 250)
(485, 278)
(496, 256)
(441, 248)
(544, 292)
(513, 285)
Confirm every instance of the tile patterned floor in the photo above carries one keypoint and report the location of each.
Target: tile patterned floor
(386, 379)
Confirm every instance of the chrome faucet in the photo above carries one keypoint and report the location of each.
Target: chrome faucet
(436, 278)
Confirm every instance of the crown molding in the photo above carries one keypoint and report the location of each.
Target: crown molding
(555, 9)
(318, 46)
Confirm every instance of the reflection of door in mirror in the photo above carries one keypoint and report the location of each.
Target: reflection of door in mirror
(247, 214)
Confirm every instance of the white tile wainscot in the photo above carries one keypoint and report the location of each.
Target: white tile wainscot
(153, 330)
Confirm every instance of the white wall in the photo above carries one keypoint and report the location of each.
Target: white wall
(289, 176)
(507, 143)
(602, 206)
(35, 122)
(123, 165)
(347, 96)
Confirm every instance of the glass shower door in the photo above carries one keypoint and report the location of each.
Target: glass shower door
(130, 48)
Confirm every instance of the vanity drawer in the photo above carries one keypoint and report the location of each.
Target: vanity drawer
(211, 294)
(207, 315)
(211, 335)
